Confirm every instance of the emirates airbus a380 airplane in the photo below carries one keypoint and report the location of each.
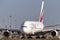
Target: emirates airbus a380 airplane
(32, 28)
(37, 27)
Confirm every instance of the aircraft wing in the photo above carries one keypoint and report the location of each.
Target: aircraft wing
(52, 27)
(10, 30)
(14, 30)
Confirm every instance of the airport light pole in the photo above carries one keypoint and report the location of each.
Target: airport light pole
(10, 22)
(6, 26)
(15, 23)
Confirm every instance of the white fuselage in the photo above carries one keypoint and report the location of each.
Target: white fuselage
(31, 27)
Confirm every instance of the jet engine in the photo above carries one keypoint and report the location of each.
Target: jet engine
(6, 33)
(54, 33)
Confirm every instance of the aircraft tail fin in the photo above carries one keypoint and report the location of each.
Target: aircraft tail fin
(41, 12)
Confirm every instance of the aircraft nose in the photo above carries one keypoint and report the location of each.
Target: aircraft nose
(26, 30)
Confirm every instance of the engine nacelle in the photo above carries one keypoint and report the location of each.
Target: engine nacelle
(54, 33)
(6, 33)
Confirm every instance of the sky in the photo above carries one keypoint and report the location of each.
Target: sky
(15, 12)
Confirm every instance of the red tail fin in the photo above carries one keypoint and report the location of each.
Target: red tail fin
(41, 18)
(41, 13)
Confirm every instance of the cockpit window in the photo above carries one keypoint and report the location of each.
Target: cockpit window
(22, 25)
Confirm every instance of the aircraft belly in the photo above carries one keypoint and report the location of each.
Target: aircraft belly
(36, 30)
